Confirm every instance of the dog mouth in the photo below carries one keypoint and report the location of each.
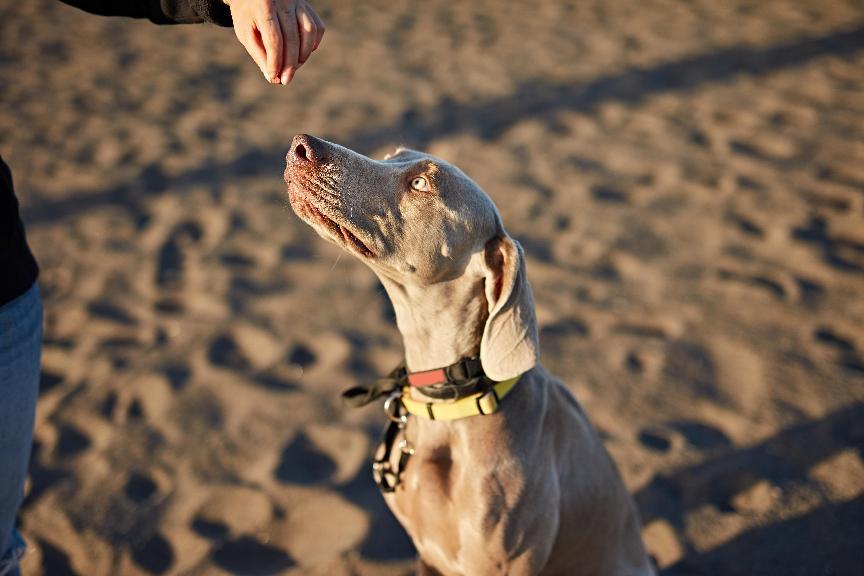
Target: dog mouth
(303, 202)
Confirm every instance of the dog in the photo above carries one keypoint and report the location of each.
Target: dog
(489, 462)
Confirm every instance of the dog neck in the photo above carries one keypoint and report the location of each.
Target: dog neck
(440, 323)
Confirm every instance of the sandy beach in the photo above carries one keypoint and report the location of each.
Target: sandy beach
(687, 180)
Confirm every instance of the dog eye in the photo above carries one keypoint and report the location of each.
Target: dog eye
(420, 184)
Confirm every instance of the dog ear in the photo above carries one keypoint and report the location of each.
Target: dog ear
(510, 345)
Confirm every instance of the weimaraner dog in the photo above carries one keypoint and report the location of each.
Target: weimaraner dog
(490, 464)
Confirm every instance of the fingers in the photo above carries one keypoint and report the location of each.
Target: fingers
(290, 41)
(251, 40)
(320, 28)
(279, 35)
(272, 39)
(308, 33)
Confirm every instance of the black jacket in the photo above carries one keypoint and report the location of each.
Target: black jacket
(18, 270)
(160, 11)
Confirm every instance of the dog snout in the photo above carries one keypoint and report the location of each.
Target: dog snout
(307, 149)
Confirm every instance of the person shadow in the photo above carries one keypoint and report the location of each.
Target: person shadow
(827, 540)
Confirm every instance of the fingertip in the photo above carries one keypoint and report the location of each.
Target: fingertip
(287, 76)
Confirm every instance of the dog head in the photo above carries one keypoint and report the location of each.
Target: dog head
(419, 221)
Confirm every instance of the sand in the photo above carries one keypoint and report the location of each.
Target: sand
(687, 180)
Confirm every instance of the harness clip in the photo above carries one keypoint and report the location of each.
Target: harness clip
(394, 408)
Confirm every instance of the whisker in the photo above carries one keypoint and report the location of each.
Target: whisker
(338, 258)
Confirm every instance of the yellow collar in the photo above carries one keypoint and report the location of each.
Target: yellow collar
(481, 403)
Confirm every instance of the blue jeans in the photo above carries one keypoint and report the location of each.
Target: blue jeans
(20, 351)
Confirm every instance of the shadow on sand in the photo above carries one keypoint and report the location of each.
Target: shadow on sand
(824, 541)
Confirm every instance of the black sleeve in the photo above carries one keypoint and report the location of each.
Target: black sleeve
(160, 11)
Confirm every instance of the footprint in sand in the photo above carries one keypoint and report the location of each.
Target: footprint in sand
(105, 310)
(810, 292)
(237, 260)
(634, 363)
(228, 517)
(656, 439)
(108, 405)
(245, 347)
(49, 380)
(768, 285)
(745, 224)
(642, 240)
(140, 488)
(71, 442)
(302, 356)
(169, 306)
(848, 356)
(210, 529)
(844, 254)
(320, 527)
(134, 412)
(54, 559)
(233, 511)
(177, 373)
(323, 453)
(766, 148)
(558, 336)
(820, 200)
(609, 195)
(568, 327)
(155, 555)
(303, 463)
(700, 435)
(246, 555)
(169, 269)
(225, 353)
(673, 435)
(691, 366)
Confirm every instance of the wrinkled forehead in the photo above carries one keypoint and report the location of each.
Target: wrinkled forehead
(407, 158)
(402, 155)
(455, 190)
(444, 173)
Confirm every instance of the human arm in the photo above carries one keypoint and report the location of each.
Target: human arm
(279, 35)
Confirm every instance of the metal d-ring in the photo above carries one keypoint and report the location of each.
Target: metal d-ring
(392, 407)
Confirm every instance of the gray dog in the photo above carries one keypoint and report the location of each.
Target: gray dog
(489, 462)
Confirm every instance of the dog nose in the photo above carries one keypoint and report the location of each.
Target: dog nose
(305, 148)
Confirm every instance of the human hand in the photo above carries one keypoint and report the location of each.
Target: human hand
(279, 35)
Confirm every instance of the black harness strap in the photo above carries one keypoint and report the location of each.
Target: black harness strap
(464, 378)
(386, 476)
(362, 395)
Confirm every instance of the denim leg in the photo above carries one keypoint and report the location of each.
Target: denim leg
(20, 350)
